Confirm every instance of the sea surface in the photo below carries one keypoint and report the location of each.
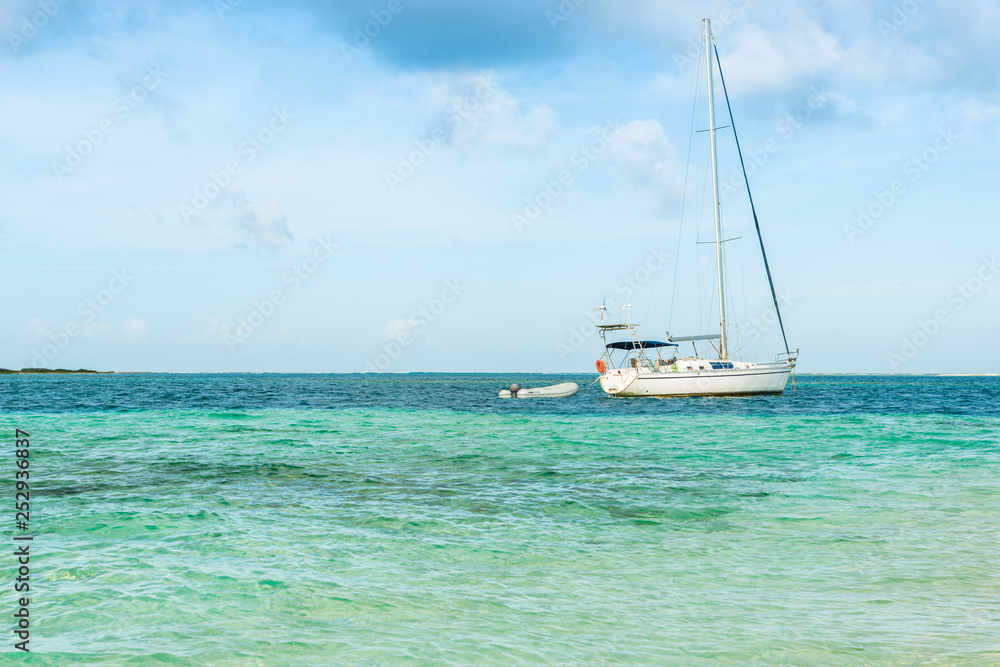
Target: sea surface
(420, 520)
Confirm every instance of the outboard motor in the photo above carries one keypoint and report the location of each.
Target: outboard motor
(514, 388)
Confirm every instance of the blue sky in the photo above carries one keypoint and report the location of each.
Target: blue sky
(254, 186)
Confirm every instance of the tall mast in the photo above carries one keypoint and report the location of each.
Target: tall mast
(723, 350)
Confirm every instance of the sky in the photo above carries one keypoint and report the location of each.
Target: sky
(454, 186)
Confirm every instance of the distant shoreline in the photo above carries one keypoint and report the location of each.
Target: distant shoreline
(51, 371)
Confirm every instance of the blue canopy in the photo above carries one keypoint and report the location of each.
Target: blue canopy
(642, 344)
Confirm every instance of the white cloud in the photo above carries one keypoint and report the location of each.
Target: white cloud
(97, 330)
(396, 328)
(975, 112)
(281, 334)
(259, 226)
(135, 328)
(230, 220)
(216, 329)
(149, 212)
(247, 224)
(477, 113)
(762, 55)
(37, 329)
(759, 60)
(644, 152)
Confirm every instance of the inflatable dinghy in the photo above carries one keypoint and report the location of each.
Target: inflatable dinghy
(555, 391)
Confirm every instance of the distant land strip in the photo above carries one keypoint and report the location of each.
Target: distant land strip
(62, 371)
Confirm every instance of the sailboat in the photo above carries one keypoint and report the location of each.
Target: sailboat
(638, 374)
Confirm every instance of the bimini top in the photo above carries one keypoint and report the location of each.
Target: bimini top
(637, 345)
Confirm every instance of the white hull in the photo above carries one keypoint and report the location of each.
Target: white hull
(639, 374)
(736, 382)
(563, 390)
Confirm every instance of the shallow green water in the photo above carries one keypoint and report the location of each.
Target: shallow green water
(390, 536)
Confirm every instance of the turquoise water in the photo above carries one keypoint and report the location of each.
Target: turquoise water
(429, 524)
